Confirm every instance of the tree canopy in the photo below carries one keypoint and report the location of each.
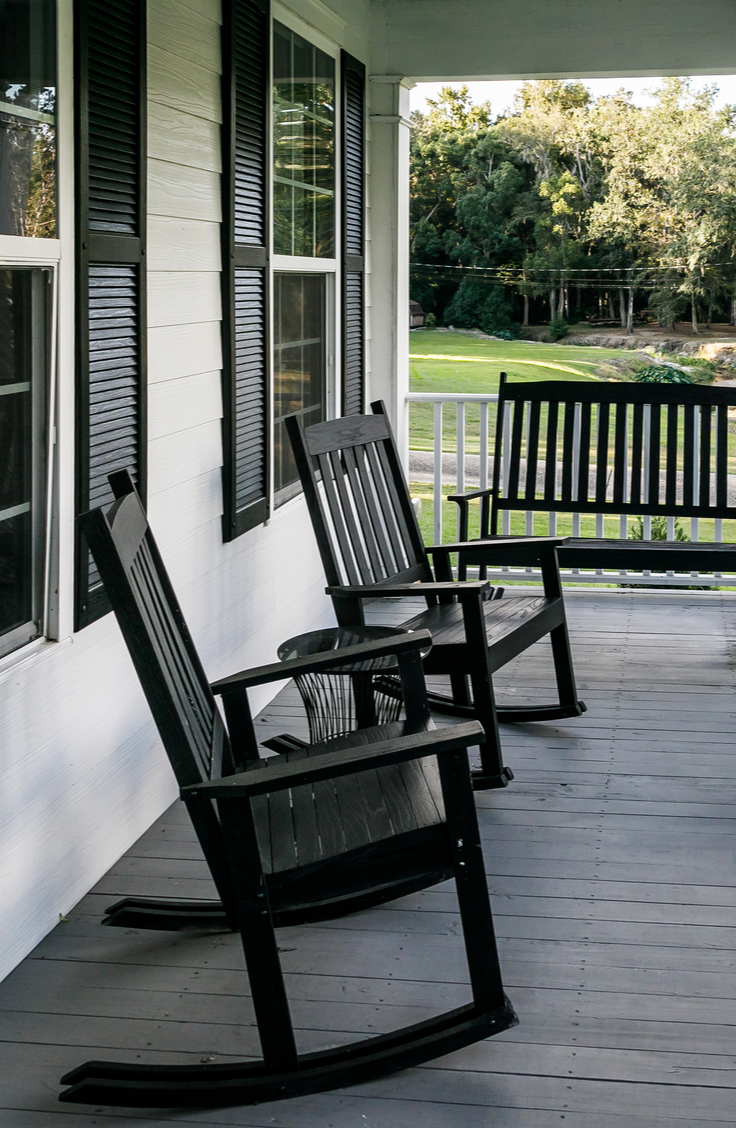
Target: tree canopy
(576, 201)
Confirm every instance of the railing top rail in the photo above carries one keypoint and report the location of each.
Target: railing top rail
(451, 397)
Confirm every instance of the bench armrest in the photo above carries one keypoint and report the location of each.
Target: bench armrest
(317, 663)
(462, 500)
(345, 761)
(383, 591)
(496, 545)
(470, 495)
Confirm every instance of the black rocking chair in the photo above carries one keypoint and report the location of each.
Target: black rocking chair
(372, 548)
(263, 884)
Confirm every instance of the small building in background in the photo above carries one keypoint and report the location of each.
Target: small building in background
(416, 315)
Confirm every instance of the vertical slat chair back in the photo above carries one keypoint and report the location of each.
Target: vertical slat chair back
(640, 449)
(366, 526)
(154, 629)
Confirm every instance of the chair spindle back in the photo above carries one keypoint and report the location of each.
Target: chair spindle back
(154, 629)
(366, 526)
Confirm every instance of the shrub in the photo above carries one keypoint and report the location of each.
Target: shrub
(558, 328)
(662, 374)
(659, 529)
(502, 334)
(702, 371)
(430, 321)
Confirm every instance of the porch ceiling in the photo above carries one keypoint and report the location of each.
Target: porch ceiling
(610, 862)
(436, 40)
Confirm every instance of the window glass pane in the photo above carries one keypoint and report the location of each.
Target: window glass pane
(27, 107)
(304, 147)
(23, 330)
(299, 366)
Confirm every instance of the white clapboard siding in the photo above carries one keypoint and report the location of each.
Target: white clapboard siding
(178, 298)
(176, 405)
(177, 511)
(183, 244)
(82, 772)
(183, 85)
(176, 351)
(184, 454)
(195, 197)
(186, 33)
(187, 140)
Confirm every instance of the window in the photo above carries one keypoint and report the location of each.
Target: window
(303, 92)
(293, 234)
(303, 147)
(299, 367)
(24, 321)
(27, 127)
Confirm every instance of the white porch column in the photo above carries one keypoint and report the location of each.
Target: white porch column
(388, 252)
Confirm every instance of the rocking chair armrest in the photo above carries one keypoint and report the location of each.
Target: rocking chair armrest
(383, 591)
(329, 660)
(330, 765)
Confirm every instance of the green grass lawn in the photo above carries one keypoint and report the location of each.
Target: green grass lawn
(452, 362)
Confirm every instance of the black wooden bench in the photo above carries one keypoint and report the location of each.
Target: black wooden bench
(643, 450)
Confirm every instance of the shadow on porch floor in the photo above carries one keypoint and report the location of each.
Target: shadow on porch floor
(610, 862)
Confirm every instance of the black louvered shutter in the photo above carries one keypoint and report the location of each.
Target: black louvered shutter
(245, 274)
(353, 197)
(110, 90)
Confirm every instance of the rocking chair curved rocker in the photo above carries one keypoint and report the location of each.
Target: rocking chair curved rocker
(227, 795)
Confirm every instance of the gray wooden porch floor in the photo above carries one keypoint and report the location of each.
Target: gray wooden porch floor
(611, 863)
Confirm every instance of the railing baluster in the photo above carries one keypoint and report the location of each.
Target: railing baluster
(460, 455)
(694, 524)
(506, 470)
(670, 537)
(483, 474)
(646, 523)
(437, 508)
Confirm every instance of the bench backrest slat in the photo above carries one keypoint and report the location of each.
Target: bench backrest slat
(645, 449)
(721, 456)
(637, 453)
(568, 452)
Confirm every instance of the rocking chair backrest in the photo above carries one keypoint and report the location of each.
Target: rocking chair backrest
(365, 524)
(153, 626)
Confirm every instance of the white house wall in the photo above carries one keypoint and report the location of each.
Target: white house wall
(82, 772)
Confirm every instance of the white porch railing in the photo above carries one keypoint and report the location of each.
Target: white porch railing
(485, 469)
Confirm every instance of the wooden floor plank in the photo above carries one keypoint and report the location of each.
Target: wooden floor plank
(610, 861)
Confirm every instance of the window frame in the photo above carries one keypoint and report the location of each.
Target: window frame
(43, 395)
